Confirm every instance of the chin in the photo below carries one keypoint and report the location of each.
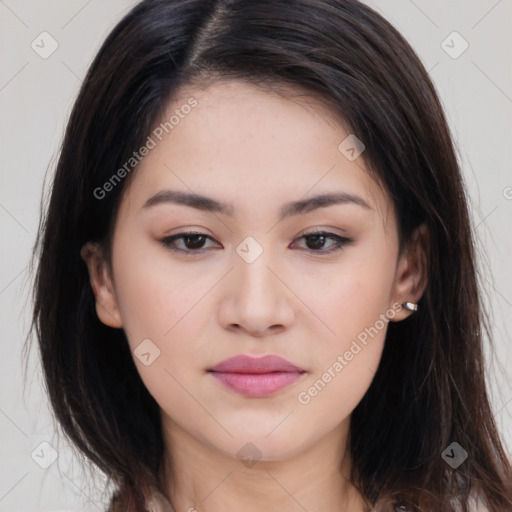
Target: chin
(262, 448)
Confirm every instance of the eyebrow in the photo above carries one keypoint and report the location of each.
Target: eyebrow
(209, 204)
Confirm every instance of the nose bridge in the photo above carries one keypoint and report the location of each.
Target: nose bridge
(252, 269)
(258, 298)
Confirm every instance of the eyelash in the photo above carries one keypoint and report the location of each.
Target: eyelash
(340, 241)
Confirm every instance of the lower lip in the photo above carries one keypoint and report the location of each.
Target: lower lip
(256, 384)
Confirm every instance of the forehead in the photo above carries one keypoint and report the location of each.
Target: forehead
(242, 144)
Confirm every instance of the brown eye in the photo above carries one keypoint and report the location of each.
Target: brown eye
(194, 241)
(191, 242)
(316, 240)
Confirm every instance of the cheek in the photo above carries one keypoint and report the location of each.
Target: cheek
(155, 298)
(347, 358)
(350, 297)
(162, 312)
(353, 306)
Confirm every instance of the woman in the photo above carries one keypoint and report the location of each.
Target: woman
(256, 286)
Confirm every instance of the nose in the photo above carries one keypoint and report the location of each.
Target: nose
(256, 298)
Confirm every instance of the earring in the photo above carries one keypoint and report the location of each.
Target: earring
(411, 306)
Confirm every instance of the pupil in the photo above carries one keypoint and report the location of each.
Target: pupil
(197, 241)
(318, 238)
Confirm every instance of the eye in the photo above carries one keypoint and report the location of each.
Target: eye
(316, 241)
(192, 240)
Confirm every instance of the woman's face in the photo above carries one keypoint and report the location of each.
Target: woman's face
(253, 284)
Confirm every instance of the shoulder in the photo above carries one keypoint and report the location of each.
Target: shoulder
(154, 501)
(157, 502)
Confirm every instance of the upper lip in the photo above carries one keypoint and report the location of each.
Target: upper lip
(247, 364)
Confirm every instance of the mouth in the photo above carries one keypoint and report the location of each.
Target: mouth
(256, 377)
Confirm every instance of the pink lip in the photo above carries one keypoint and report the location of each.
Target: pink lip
(256, 377)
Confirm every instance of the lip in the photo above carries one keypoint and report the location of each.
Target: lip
(248, 364)
(256, 377)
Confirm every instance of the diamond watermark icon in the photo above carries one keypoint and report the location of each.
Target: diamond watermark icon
(146, 352)
(454, 45)
(249, 249)
(44, 45)
(454, 455)
(351, 147)
(249, 454)
(44, 455)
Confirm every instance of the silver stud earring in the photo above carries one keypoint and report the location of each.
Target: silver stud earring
(411, 306)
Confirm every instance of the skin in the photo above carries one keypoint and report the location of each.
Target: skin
(255, 150)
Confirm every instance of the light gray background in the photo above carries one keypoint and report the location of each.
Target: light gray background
(36, 96)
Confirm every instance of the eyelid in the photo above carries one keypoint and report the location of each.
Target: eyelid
(340, 241)
(165, 241)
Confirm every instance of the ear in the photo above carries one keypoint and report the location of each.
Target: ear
(101, 283)
(411, 272)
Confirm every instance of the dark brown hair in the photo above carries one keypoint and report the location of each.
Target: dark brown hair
(430, 388)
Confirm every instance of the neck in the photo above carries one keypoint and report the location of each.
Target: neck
(197, 477)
